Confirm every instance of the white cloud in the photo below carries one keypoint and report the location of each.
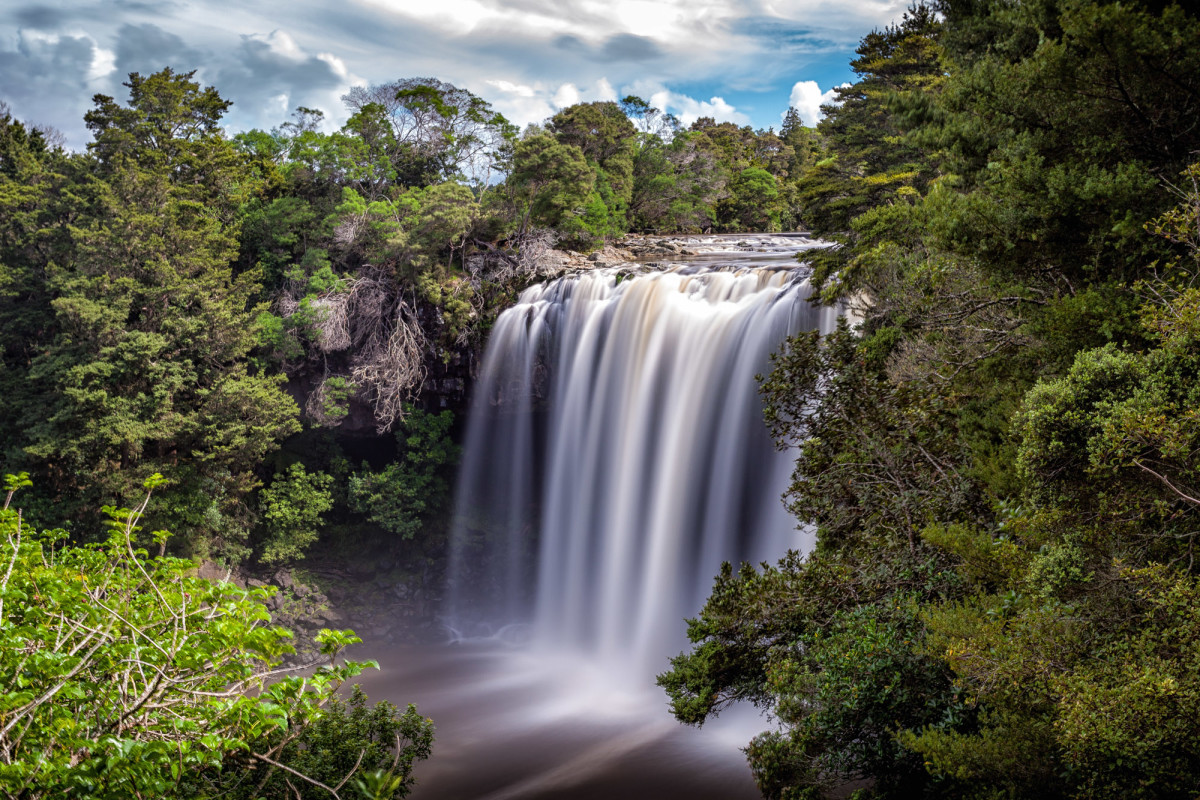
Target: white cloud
(280, 44)
(524, 103)
(567, 95)
(689, 109)
(508, 87)
(520, 103)
(104, 63)
(807, 98)
(339, 68)
(605, 91)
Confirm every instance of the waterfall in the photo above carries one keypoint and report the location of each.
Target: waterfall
(616, 455)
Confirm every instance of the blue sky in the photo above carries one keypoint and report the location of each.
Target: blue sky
(741, 61)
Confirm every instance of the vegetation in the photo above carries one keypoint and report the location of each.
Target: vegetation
(123, 675)
(1001, 464)
(169, 297)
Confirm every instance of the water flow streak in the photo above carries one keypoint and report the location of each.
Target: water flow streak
(616, 455)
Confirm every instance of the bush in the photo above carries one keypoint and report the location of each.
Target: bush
(124, 675)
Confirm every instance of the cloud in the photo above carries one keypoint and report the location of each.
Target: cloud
(147, 48)
(269, 71)
(49, 79)
(807, 98)
(39, 17)
(567, 95)
(742, 55)
(689, 109)
(628, 47)
(525, 104)
(521, 104)
(604, 91)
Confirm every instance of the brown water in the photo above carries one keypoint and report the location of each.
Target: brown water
(511, 724)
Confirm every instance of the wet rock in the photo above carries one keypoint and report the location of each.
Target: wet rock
(330, 616)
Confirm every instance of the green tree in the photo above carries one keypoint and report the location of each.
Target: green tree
(146, 363)
(607, 139)
(124, 675)
(403, 497)
(291, 507)
(753, 204)
(550, 182)
(432, 131)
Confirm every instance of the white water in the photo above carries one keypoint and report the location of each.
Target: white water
(616, 455)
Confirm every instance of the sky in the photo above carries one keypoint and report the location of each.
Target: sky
(745, 62)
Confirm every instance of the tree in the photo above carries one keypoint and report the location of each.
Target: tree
(404, 496)
(291, 508)
(435, 125)
(550, 181)
(753, 204)
(124, 675)
(146, 364)
(607, 140)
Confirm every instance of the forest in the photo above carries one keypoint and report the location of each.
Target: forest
(259, 341)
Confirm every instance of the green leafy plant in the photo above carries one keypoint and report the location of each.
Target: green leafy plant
(125, 675)
(291, 508)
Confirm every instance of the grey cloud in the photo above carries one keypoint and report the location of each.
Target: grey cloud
(628, 47)
(158, 8)
(570, 10)
(100, 16)
(570, 43)
(147, 48)
(46, 83)
(254, 74)
(257, 64)
(776, 34)
(39, 17)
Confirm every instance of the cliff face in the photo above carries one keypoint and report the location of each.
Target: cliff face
(449, 364)
(448, 375)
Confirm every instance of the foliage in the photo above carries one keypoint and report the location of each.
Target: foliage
(124, 675)
(403, 496)
(753, 203)
(143, 357)
(551, 181)
(1014, 420)
(377, 745)
(291, 508)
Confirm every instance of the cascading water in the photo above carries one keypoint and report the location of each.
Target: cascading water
(616, 455)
